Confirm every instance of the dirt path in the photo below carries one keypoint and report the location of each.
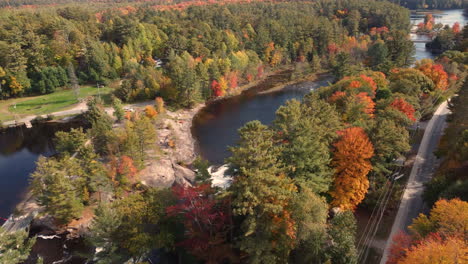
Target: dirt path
(75, 110)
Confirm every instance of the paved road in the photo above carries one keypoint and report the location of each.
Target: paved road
(76, 110)
(412, 203)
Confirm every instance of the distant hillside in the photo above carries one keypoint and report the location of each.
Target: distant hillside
(18, 3)
(171, 3)
(431, 4)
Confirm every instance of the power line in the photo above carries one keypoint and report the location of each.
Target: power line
(380, 208)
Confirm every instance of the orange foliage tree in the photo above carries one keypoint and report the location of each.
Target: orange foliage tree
(447, 217)
(362, 83)
(439, 238)
(351, 163)
(150, 111)
(122, 170)
(159, 105)
(127, 168)
(368, 104)
(436, 73)
(406, 108)
(436, 250)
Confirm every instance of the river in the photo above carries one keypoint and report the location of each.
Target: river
(214, 128)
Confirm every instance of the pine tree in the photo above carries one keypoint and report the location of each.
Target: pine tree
(145, 132)
(15, 246)
(310, 212)
(305, 150)
(68, 143)
(56, 184)
(262, 196)
(118, 109)
(103, 229)
(73, 80)
(342, 234)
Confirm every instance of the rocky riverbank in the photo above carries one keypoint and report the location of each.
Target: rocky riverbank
(175, 149)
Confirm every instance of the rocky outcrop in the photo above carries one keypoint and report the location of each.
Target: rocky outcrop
(184, 176)
(159, 173)
(176, 147)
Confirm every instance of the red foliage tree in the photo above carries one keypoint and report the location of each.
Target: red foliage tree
(406, 108)
(332, 48)
(260, 71)
(233, 79)
(456, 28)
(400, 244)
(216, 88)
(206, 221)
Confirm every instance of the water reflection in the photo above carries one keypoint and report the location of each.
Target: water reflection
(215, 127)
(19, 149)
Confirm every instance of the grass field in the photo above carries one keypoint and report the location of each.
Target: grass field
(49, 103)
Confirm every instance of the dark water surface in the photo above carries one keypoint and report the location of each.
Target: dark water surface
(215, 126)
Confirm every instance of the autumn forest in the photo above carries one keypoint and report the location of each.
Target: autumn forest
(299, 184)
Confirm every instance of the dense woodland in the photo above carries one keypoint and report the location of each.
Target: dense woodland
(411, 4)
(296, 182)
(207, 50)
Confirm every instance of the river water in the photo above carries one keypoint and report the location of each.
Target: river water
(214, 128)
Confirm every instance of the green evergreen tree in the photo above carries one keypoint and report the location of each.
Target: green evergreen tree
(145, 132)
(118, 109)
(342, 233)
(102, 233)
(261, 196)
(56, 189)
(305, 149)
(310, 213)
(68, 143)
(14, 246)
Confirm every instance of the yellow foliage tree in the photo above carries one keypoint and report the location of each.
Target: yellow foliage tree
(447, 217)
(223, 84)
(351, 163)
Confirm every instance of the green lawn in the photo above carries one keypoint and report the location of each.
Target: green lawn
(49, 103)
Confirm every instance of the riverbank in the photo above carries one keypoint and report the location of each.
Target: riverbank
(177, 146)
(308, 78)
(175, 149)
